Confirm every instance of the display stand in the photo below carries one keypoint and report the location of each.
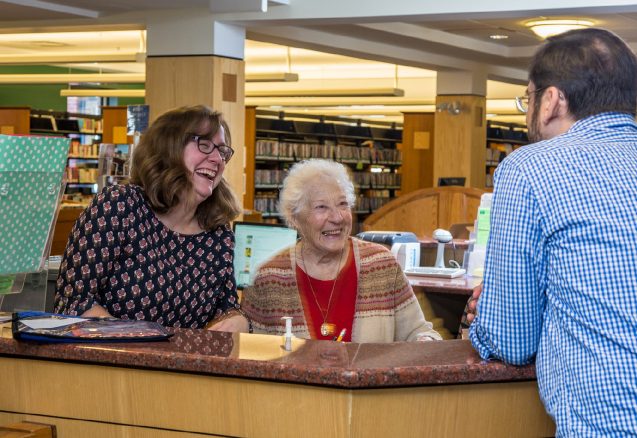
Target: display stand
(31, 188)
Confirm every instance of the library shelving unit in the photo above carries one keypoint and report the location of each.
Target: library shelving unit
(277, 140)
(502, 139)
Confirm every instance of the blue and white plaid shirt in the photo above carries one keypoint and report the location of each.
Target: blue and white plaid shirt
(561, 274)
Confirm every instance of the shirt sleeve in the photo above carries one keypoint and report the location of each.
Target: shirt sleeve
(509, 310)
(228, 299)
(90, 253)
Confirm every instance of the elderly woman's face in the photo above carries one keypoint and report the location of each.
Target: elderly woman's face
(326, 221)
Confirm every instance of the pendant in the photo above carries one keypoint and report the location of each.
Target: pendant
(328, 329)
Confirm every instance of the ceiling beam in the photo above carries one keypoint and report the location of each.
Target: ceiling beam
(55, 7)
(384, 51)
(431, 37)
(232, 6)
(364, 11)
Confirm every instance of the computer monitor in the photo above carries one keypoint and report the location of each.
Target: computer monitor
(254, 244)
(451, 181)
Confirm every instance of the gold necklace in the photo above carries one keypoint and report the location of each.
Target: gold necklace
(327, 328)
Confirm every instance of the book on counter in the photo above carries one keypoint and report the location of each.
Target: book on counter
(51, 327)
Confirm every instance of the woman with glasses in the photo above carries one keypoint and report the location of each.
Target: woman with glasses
(160, 248)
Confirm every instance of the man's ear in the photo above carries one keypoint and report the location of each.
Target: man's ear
(553, 105)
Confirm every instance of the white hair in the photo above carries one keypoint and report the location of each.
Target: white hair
(294, 194)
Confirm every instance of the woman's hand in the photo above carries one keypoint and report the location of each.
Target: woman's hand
(234, 323)
(96, 311)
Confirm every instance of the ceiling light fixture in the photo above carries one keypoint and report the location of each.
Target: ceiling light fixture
(362, 92)
(499, 37)
(548, 28)
(70, 58)
(121, 78)
(91, 92)
(272, 77)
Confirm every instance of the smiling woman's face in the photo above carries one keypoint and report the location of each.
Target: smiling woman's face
(206, 170)
(326, 221)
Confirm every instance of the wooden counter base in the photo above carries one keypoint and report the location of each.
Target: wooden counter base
(109, 401)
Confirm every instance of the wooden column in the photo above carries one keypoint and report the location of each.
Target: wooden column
(173, 81)
(460, 139)
(250, 141)
(15, 120)
(418, 151)
(115, 125)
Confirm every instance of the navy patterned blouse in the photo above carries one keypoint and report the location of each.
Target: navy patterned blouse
(122, 257)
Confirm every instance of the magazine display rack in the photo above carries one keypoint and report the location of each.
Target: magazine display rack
(31, 187)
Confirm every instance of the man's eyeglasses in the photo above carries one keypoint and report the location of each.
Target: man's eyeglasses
(522, 102)
(207, 147)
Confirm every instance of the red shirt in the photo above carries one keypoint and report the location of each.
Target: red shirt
(343, 304)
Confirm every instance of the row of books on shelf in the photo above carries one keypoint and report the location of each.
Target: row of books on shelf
(275, 177)
(83, 150)
(273, 149)
(75, 199)
(376, 180)
(90, 125)
(270, 204)
(81, 175)
(46, 122)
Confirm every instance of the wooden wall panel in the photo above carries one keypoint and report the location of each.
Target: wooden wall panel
(460, 140)
(480, 410)
(250, 141)
(114, 119)
(15, 120)
(417, 166)
(169, 400)
(424, 210)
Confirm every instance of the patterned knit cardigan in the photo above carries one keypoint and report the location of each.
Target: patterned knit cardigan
(386, 308)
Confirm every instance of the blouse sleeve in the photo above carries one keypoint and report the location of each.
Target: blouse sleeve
(228, 299)
(91, 250)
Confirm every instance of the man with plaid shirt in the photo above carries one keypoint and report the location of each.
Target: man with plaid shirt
(560, 284)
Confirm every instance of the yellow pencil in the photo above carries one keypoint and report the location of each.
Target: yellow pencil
(340, 335)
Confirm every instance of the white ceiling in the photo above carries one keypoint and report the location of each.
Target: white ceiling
(365, 43)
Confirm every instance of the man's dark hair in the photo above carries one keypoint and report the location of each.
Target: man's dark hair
(594, 68)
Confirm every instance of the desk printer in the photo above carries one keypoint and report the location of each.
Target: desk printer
(388, 237)
(404, 245)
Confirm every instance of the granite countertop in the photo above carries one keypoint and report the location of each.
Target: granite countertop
(254, 356)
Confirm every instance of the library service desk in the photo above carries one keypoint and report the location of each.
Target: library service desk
(205, 383)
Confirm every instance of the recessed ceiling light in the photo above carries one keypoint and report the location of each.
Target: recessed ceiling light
(498, 37)
(547, 28)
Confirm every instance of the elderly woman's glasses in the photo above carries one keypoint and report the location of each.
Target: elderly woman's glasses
(522, 102)
(207, 147)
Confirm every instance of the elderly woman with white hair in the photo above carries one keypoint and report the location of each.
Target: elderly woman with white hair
(330, 283)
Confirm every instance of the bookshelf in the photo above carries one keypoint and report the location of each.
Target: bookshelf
(277, 140)
(502, 139)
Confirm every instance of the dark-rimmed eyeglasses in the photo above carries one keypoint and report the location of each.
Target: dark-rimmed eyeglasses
(522, 102)
(208, 146)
